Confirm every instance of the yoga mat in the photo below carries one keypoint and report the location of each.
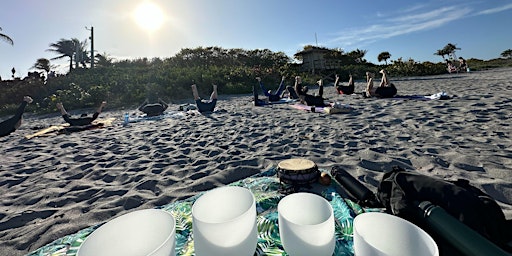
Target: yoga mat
(65, 128)
(267, 192)
(327, 109)
(144, 117)
(436, 96)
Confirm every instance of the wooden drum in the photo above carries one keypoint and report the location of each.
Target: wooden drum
(297, 171)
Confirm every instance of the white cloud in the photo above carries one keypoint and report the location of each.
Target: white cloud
(495, 10)
(408, 22)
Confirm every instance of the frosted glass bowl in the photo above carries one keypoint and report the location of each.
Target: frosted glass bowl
(382, 234)
(149, 232)
(224, 222)
(306, 225)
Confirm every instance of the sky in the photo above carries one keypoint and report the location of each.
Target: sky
(123, 30)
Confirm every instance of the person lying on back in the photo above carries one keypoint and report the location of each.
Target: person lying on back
(308, 99)
(10, 125)
(153, 109)
(341, 89)
(83, 119)
(205, 105)
(272, 96)
(385, 89)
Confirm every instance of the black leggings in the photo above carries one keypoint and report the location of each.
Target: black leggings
(257, 102)
(8, 126)
(153, 109)
(80, 121)
(349, 89)
(312, 100)
(386, 92)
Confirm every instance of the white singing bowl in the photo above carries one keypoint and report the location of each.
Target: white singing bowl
(306, 224)
(149, 232)
(224, 222)
(382, 234)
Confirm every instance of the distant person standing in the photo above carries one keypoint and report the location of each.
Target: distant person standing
(10, 125)
(205, 105)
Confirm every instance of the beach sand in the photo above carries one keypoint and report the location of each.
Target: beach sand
(55, 186)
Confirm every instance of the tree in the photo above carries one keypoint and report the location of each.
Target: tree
(66, 48)
(6, 38)
(71, 48)
(358, 55)
(43, 64)
(441, 53)
(507, 54)
(81, 53)
(450, 49)
(384, 56)
(103, 60)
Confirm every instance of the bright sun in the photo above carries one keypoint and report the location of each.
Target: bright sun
(149, 16)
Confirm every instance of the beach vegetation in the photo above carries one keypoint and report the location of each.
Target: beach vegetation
(128, 82)
(448, 50)
(358, 55)
(384, 56)
(43, 64)
(507, 54)
(103, 60)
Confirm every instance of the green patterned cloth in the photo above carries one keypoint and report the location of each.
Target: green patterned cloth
(267, 190)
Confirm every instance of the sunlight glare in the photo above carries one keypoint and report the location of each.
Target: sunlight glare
(149, 16)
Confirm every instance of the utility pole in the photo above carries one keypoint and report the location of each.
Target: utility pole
(92, 45)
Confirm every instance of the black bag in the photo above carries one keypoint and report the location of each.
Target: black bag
(401, 191)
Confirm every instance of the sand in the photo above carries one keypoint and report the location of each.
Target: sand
(55, 186)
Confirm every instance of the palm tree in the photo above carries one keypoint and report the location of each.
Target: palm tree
(71, 48)
(64, 47)
(103, 60)
(442, 53)
(450, 49)
(81, 54)
(6, 38)
(507, 54)
(384, 56)
(43, 64)
(358, 55)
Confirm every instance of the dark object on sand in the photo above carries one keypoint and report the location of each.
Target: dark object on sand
(365, 197)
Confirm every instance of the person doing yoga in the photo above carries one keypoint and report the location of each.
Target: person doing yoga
(83, 119)
(153, 109)
(10, 125)
(385, 90)
(341, 89)
(308, 99)
(205, 105)
(276, 96)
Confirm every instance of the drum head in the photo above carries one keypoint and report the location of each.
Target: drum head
(296, 164)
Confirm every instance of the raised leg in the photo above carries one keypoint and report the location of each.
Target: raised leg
(214, 93)
(194, 92)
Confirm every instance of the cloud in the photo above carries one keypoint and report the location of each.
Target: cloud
(406, 22)
(495, 10)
